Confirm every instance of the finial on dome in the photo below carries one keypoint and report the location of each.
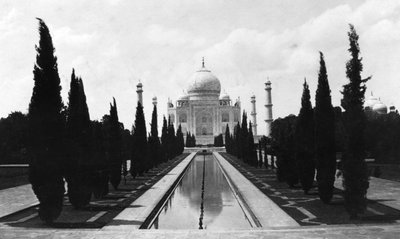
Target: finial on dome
(202, 63)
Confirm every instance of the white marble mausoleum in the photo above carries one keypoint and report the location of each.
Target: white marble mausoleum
(203, 111)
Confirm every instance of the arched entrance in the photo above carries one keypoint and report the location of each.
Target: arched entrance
(204, 123)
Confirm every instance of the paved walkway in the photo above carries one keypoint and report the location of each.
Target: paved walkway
(308, 210)
(138, 211)
(384, 191)
(259, 204)
(341, 232)
(16, 199)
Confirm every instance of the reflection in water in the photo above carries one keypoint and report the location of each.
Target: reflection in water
(202, 195)
(220, 210)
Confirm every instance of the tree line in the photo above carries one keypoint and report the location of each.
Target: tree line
(63, 143)
(241, 142)
(306, 144)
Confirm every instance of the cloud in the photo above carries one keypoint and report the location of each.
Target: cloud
(65, 35)
(118, 42)
(161, 35)
(249, 56)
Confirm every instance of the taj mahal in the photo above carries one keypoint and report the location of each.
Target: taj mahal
(203, 111)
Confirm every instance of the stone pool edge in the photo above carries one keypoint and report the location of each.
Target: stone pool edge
(268, 214)
(132, 217)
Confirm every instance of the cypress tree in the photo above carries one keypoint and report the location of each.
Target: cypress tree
(180, 140)
(187, 143)
(46, 129)
(266, 151)
(115, 154)
(164, 140)
(154, 141)
(100, 179)
(324, 136)
(132, 169)
(228, 143)
(140, 139)
(305, 141)
(126, 150)
(252, 153)
(259, 159)
(243, 139)
(354, 167)
(227, 139)
(236, 145)
(79, 169)
(283, 134)
(171, 145)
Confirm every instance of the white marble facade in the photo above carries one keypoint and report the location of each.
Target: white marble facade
(202, 111)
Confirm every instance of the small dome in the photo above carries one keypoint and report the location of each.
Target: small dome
(183, 97)
(203, 82)
(225, 97)
(380, 108)
(371, 101)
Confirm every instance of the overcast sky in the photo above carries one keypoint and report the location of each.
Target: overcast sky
(114, 43)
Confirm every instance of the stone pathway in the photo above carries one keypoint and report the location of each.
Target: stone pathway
(15, 199)
(308, 210)
(337, 232)
(384, 191)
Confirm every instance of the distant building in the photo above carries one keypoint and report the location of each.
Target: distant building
(202, 111)
(375, 104)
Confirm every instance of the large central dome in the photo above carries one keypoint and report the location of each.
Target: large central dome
(203, 82)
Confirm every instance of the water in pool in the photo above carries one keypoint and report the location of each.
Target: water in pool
(203, 199)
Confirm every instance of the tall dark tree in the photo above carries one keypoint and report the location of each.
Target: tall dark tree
(305, 141)
(46, 130)
(126, 150)
(243, 145)
(180, 140)
(13, 138)
(171, 143)
(259, 159)
(78, 170)
(354, 167)
(101, 177)
(140, 139)
(115, 153)
(324, 136)
(237, 148)
(154, 141)
(252, 153)
(283, 144)
(228, 140)
(218, 140)
(266, 143)
(193, 140)
(164, 140)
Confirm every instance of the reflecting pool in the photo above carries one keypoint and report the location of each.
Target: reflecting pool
(203, 199)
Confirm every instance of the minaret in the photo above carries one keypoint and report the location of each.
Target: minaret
(139, 91)
(268, 106)
(253, 114)
(155, 100)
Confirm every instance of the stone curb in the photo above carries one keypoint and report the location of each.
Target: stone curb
(264, 209)
(136, 214)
